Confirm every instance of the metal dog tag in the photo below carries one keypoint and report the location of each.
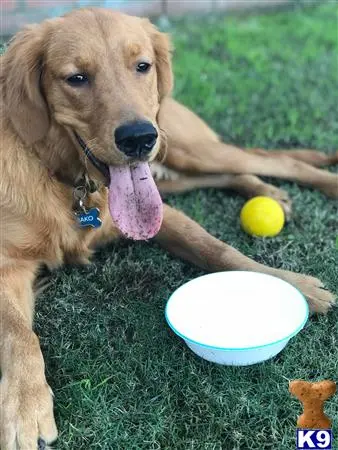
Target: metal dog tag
(89, 218)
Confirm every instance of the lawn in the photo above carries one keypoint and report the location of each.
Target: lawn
(121, 378)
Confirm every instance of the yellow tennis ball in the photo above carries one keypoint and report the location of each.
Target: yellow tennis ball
(262, 216)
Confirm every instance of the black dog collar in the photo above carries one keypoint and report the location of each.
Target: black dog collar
(99, 165)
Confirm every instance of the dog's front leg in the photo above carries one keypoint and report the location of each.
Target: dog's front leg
(188, 240)
(26, 405)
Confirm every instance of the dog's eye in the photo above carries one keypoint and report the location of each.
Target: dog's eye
(143, 67)
(79, 79)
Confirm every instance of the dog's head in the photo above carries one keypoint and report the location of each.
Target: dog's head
(100, 76)
(99, 73)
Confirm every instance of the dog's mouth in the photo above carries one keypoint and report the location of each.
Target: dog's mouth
(135, 204)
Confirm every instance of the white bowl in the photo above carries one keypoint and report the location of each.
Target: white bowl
(236, 318)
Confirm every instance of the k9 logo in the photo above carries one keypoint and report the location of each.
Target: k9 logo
(314, 439)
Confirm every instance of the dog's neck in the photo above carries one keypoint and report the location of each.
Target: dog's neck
(60, 156)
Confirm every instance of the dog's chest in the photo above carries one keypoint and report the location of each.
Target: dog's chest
(84, 226)
(51, 233)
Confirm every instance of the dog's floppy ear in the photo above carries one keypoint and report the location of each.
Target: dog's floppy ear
(162, 48)
(22, 71)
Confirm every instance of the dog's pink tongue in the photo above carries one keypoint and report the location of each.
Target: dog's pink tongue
(134, 201)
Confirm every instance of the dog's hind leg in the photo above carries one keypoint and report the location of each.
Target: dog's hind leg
(247, 185)
(188, 240)
(194, 148)
(216, 157)
(312, 157)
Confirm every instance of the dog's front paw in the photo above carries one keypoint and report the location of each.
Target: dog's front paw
(320, 300)
(26, 412)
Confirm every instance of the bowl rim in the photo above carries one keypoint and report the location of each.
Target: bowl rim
(212, 347)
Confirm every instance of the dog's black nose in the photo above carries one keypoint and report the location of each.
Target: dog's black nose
(136, 139)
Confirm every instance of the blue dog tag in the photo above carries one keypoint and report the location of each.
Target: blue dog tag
(89, 218)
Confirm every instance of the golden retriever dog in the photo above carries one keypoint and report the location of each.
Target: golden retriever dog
(86, 109)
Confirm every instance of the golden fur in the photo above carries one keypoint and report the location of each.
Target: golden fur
(40, 162)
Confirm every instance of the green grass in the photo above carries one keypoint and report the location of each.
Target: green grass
(121, 379)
